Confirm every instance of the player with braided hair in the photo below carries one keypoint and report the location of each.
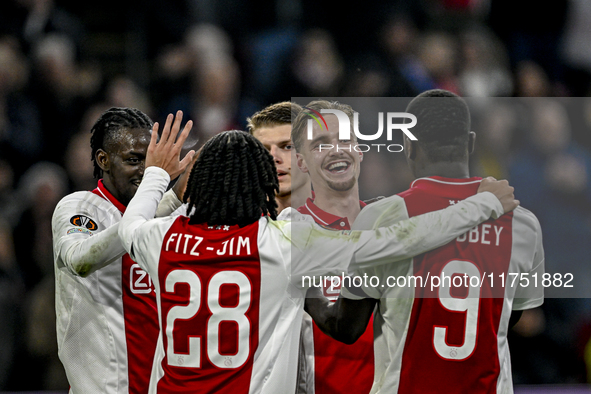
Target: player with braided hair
(229, 279)
(106, 130)
(107, 324)
(235, 194)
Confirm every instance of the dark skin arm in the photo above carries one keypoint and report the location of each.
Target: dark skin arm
(344, 320)
(515, 316)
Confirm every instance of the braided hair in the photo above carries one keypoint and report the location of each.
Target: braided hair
(109, 125)
(233, 181)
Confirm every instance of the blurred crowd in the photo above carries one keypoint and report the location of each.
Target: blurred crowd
(62, 64)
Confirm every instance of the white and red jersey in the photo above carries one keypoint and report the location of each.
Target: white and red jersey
(436, 335)
(230, 299)
(106, 322)
(328, 366)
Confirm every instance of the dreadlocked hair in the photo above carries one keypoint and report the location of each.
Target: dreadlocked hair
(233, 181)
(109, 124)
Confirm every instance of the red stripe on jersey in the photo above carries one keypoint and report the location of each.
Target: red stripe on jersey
(210, 281)
(141, 324)
(451, 344)
(340, 368)
(102, 191)
(140, 314)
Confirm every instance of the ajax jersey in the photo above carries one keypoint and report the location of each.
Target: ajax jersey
(230, 299)
(106, 322)
(328, 366)
(442, 318)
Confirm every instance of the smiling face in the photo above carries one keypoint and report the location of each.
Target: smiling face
(123, 161)
(330, 168)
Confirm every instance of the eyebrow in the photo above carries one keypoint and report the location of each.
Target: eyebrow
(134, 153)
(278, 143)
(319, 138)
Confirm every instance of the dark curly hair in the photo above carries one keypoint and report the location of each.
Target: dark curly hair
(109, 124)
(233, 181)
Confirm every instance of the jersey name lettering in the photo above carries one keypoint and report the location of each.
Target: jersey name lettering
(189, 244)
(486, 234)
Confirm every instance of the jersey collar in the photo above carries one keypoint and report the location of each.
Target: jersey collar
(451, 187)
(102, 191)
(324, 218)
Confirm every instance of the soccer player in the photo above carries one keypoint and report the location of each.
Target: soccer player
(446, 329)
(229, 278)
(272, 126)
(327, 365)
(107, 324)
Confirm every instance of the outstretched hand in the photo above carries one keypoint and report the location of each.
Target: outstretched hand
(502, 190)
(166, 152)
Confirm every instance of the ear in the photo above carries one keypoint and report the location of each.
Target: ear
(360, 156)
(102, 159)
(301, 162)
(471, 142)
(410, 148)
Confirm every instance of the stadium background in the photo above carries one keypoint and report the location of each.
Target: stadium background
(63, 63)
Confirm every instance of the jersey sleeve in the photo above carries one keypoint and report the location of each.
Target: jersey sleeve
(320, 252)
(382, 213)
(140, 234)
(82, 240)
(532, 295)
(363, 291)
(169, 204)
(423, 233)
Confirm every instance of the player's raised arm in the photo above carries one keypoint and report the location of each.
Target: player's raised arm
(162, 163)
(175, 197)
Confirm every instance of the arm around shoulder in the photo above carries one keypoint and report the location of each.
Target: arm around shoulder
(420, 234)
(344, 320)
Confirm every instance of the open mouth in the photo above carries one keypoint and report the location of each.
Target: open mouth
(282, 173)
(338, 167)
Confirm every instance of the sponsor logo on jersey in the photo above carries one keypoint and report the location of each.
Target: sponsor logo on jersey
(84, 221)
(139, 280)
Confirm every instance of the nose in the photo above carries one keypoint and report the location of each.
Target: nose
(141, 168)
(337, 150)
(276, 153)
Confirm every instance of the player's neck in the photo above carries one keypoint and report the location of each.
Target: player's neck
(283, 202)
(339, 203)
(443, 169)
(300, 195)
(111, 189)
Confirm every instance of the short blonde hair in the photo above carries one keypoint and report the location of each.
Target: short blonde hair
(274, 115)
